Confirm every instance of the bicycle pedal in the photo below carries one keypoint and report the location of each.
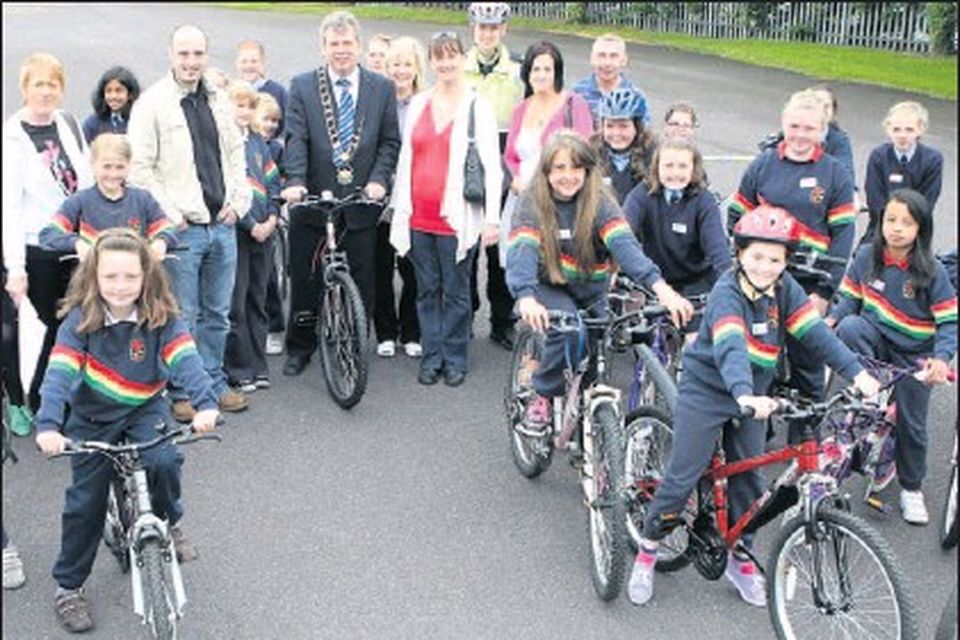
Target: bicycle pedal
(875, 502)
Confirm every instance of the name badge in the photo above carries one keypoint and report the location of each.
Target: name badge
(896, 178)
(808, 183)
(607, 180)
(679, 227)
(565, 234)
(879, 285)
(759, 328)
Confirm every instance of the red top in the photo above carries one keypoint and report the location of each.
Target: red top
(428, 176)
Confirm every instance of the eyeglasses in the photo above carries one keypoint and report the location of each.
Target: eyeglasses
(681, 125)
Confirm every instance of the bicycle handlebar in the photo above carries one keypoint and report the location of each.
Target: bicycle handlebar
(331, 202)
(73, 448)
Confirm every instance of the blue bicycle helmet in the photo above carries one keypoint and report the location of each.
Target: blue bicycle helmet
(488, 12)
(621, 103)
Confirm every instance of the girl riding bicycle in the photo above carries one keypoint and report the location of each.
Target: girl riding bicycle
(729, 368)
(897, 303)
(566, 228)
(120, 341)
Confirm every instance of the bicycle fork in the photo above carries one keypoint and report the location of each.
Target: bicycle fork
(149, 527)
(594, 397)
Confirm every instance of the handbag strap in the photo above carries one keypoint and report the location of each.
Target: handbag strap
(470, 129)
(568, 113)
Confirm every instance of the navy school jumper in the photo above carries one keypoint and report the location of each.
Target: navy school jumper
(885, 174)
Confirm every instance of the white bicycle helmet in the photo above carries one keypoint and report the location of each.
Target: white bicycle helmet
(621, 103)
(488, 12)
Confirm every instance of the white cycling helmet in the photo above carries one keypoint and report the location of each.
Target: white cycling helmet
(488, 12)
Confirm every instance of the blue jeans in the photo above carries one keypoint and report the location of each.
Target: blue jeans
(203, 280)
(443, 300)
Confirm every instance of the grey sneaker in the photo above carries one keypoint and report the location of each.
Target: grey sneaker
(640, 587)
(748, 580)
(184, 549)
(72, 610)
(13, 575)
(913, 508)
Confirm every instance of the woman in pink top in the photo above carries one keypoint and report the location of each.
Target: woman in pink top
(431, 219)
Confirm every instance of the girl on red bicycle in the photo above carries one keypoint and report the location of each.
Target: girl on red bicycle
(120, 342)
(897, 303)
(731, 366)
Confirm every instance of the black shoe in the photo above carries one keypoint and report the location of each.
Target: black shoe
(453, 378)
(295, 365)
(504, 337)
(428, 377)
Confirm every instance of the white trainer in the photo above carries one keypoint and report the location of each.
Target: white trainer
(413, 349)
(913, 508)
(748, 580)
(274, 346)
(387, 349)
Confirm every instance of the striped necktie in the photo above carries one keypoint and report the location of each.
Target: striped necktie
(345, 113)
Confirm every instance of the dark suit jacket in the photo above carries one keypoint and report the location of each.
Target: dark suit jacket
(309, 156)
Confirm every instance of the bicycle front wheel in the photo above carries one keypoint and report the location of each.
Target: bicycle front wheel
(531, 453)
(949, 532)
(837, 578)
(157, 593)
(343, 339)
(606, 519)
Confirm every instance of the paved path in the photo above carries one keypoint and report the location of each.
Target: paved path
(405, 517)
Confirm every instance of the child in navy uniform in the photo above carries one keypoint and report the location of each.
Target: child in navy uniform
(816, 190)
(120, 342)
(110, 203)
(732, 364)
(904, 162)
(677, 220)
(624, 144)
(245, 360)
(566, 229)
(112, 100)
(897, 303)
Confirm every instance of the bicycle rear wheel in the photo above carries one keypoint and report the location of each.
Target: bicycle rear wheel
(343, 339)
(531, 453)
(606, 519)
(648, 441)
(282, 261)
(157, 593)
(949, 532)
(837, 578)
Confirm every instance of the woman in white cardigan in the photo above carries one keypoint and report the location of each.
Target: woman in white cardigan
(44, 161)
(431, 220)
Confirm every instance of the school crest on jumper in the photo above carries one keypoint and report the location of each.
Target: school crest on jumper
(773, 316)
(134, 223)
(138, 350)
(816, 194)
(909, 291)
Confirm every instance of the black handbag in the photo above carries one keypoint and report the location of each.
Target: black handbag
(474, 191)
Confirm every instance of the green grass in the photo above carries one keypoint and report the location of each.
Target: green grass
(930, 75)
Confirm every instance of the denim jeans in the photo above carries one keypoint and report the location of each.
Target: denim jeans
(203, 279)
(443, 300)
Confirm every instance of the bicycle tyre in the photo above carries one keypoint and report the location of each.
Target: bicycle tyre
(158, 595)
(606, 522)
(647, 442)
(282, 260)
(114, 529)
(531, 455)
(342, 334)
(947, 625)
(657, 386)
(877, 568)
(949, 531)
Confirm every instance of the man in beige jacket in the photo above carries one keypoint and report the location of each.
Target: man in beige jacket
(189, 154)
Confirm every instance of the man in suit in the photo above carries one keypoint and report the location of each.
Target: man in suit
(341, 135)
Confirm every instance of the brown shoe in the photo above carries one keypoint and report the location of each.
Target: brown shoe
(184, 549)
(73, 611)
(183, 411)
(233, 401)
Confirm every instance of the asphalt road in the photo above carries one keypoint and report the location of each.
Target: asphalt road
(405, 518)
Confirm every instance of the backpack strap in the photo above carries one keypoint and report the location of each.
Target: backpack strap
(75, 128)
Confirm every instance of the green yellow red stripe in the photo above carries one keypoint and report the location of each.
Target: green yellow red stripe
(895, 318)
(614, 229)
(572, 270)
(182, 345)
(109, 383)
(850, 288)
(270, 171)
(727, 327)
(66, 359)
(525, 235)
(801, 320)
(945, 311)
(842, 214)
(741, 204)
(61, 223)
(259, 191)
(160, 226)
(812, 239)
(762, 354)
(88, 233)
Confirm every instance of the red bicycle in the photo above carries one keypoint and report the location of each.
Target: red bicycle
(829, 573)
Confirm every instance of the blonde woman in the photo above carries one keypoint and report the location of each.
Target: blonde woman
(431, 220)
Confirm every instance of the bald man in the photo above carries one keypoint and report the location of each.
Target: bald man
(188, 153)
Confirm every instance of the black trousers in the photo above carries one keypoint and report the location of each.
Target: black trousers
(388, 323)
(274, 303)
(11, 353)
(358, 239)
(47, 280)
(245, 358)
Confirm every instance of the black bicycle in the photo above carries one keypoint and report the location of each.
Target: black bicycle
(342, 329)
(138, 538)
